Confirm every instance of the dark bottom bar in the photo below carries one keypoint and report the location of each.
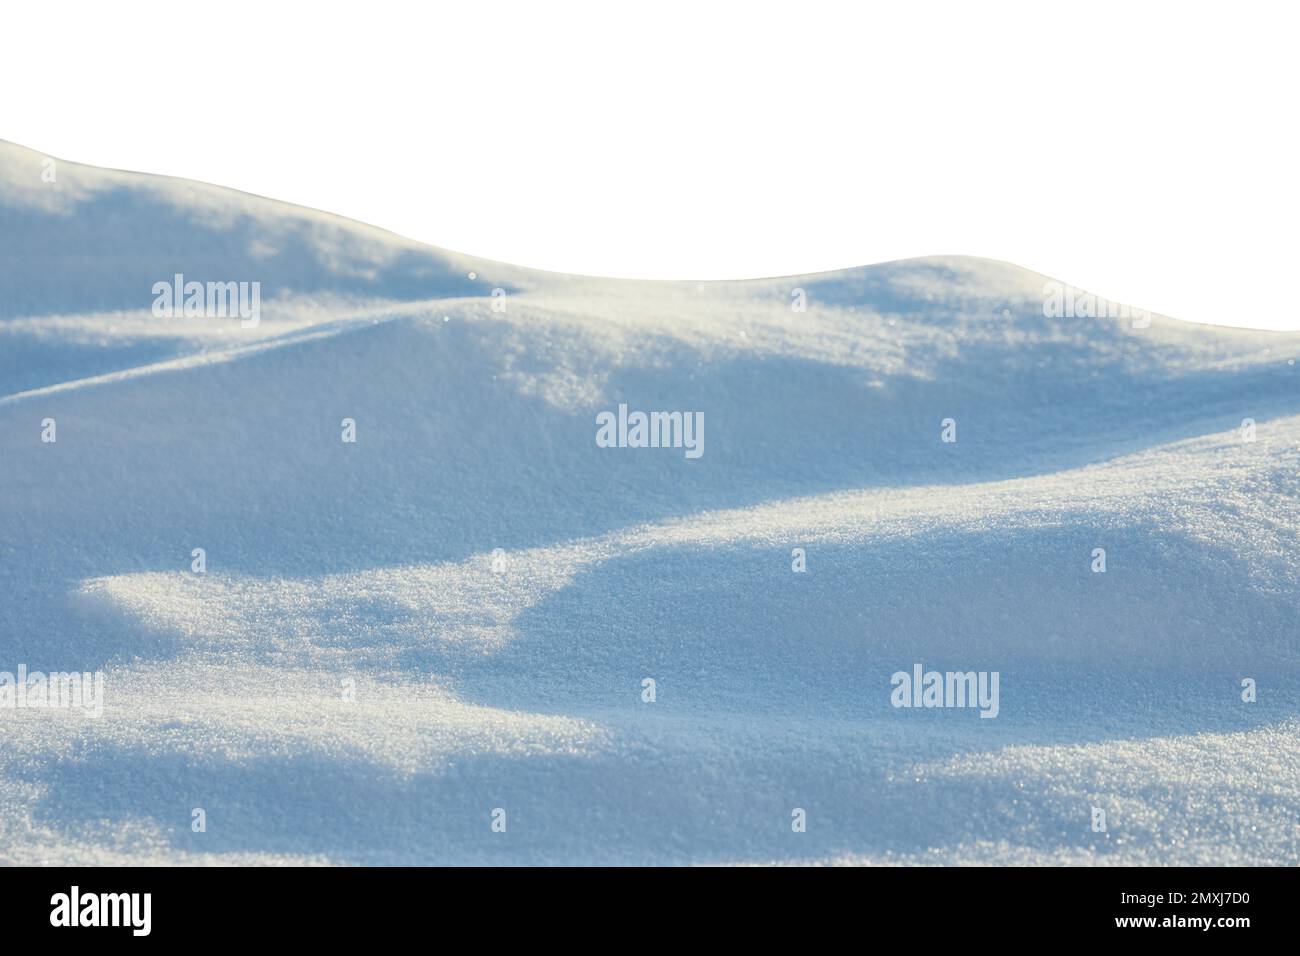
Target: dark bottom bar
(334, 906)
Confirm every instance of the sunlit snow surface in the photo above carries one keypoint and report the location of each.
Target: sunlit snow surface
(369, 566)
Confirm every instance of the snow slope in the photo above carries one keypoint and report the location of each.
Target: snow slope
(365, 570)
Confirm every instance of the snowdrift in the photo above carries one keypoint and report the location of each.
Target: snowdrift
(458, 612)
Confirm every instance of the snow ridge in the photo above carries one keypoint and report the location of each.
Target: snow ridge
(459, 611)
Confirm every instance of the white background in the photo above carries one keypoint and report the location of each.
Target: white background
(1144, 151)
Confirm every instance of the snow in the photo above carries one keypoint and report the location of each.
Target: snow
(353, 679)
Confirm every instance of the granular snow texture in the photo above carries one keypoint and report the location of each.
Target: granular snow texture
(457, 612)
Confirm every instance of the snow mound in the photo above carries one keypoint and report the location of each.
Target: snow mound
(393, 638)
